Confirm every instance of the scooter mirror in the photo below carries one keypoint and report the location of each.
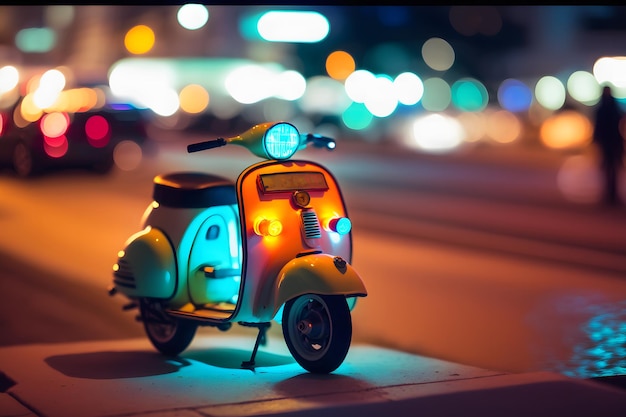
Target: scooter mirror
(272, 140)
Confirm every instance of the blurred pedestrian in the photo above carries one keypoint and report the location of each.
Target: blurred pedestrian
(610, 143)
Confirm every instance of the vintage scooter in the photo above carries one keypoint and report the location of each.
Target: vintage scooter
(275, 245)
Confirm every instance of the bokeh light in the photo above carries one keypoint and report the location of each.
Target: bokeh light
(50, 86)
(469, 95)
(503, 126)
(380, 98)
(127, 155)
(514, 95)
(584, 88)
(436, 133)
(579, 179)
(192, 16)
(54, 124)
(193, 98)
(611, 70)
(139, 39)
(409, 88)
(56, 147)
(437, 94)
(339, 65)
(565, 130)
(28, 111)
(290, 85)
(358, 83)
(474, 124)
(35, 40)
(357, 117)
(550, 92)
(438, 54)
(9, 78)
(59, 16)
(293, 26)
(98, 131)
(324, 95)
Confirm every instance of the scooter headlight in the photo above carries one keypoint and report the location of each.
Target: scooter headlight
(281, 141)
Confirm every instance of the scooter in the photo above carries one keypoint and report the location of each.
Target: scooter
(275, 245)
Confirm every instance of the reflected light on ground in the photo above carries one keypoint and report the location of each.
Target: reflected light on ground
(127, 155)
(578, 179)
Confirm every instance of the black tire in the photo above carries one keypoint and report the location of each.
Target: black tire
(318, 331)
(168, 335)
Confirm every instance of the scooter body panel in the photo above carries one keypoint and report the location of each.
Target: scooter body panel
(266, 191)
(147, 266)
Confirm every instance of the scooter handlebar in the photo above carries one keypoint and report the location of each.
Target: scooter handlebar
(209, 144)
(320, 141)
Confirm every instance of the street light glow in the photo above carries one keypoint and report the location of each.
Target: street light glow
(192, 16)
(293, 26)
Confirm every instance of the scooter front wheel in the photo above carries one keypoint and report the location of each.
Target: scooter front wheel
(318, 331)
(168, 335)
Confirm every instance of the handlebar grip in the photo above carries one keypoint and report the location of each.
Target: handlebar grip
(209, 144)
(320, 141)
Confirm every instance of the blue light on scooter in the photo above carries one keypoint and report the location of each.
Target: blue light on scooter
(281, 141)
(341, 225)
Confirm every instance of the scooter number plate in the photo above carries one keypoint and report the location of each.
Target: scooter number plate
(292, 181)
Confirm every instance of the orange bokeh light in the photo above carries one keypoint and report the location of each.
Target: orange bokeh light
(339, 65)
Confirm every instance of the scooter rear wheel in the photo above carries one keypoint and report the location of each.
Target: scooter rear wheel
(168, 335)
(318, 331)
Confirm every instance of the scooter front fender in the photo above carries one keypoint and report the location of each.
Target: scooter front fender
(319, 274)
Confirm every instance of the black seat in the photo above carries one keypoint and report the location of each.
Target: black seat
(193, 190)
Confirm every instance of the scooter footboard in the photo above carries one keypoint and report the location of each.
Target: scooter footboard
(319, 274)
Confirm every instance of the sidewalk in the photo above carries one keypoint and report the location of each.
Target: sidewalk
(129, 378)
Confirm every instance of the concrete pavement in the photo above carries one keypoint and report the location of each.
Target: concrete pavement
(129, 378)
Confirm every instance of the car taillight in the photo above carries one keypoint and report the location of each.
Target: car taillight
(98, 131)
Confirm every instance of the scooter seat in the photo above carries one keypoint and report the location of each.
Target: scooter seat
(193, 190)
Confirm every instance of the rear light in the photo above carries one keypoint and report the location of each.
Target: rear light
(267, 227)
(341, 225)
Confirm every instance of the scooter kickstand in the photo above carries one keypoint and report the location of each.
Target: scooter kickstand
(259, 338)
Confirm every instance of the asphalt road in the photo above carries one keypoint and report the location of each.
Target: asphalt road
(472, 258)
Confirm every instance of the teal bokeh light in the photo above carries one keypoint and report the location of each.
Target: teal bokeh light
(469, 95)
(35, 40)
(357, 117)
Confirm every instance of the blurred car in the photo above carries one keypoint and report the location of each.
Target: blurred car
(61, 140)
